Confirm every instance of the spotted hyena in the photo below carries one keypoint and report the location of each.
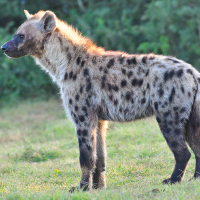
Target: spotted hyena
(97, 86)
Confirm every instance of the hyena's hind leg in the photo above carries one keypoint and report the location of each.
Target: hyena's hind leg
(99, 179)
(193, 133)
(173, 129)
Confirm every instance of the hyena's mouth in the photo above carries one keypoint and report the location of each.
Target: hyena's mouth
(12, 52)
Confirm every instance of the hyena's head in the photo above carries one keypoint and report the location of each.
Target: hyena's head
(30, 37)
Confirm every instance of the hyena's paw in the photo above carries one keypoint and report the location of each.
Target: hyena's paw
(168, 181)
(74, 189)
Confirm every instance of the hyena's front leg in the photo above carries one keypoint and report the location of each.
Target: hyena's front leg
(99, 179)
(87, 147)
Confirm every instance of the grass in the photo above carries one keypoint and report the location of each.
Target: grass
(39, 158)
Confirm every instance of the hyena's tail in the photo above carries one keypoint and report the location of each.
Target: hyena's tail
(193, 126)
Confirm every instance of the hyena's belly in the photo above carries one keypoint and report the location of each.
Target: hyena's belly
(124, 112)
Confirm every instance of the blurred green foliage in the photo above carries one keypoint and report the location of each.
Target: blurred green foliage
(169, 27)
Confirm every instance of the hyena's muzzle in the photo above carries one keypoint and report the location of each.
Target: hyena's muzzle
(12, 47)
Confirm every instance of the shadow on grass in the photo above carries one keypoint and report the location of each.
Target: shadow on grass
(31, 154)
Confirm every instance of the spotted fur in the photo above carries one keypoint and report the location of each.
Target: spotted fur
(97, 86)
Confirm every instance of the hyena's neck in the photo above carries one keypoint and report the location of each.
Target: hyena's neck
(60, 56)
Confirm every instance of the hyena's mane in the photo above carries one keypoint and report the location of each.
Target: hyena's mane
(73, 35)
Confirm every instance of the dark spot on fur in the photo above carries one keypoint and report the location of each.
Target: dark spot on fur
(124, 71)
(160, 92)
(128, 96)
(123, 83)
(121, 60)
(144, 59)
(177, 131)
(129, 62)
(158, 119)
(76, 108)
(104, 78)
(83, 140)
(147, 73)
(66, 75)
(171, 97)
(166, 114)
(70, 101)
(60, 40)
(198, 80)
(79, 132)
(148, 86)
(81, 89)
(115, 88)
(115, 102)
(78, 60)
(88, 147)
(77, 97)
(173, 60)
(94, 60)
(69, 57)
(156, 105)
(189, 71)
(151, 58)
(81, 118)
(73, 115)
(140, 82)
(166, 130)
(84, 109)
(85, 132)
(175, 108)
(183, 110)
(103, 85)
(82, 63)
(71, 75)
(136, 82)
(132, 61)
(100, 68)
(189, 94)
(130, 73)
(143, 101)
(87, 102)
(174, 144)
(74, 77)
(110, 63)
(105, 71)
(179, 73)
(89, 86)
(111, 97)
(86, 72)
(182, 89)
(168, 75)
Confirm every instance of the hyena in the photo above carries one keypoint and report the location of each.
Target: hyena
(97, 86)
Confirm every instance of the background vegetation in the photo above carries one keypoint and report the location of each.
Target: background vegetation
(139, 26)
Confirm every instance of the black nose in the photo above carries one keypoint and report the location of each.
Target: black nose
(4, 47)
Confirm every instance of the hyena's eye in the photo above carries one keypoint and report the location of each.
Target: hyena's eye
(21, 36)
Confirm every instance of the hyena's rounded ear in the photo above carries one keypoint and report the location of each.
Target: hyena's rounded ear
(48, 22)
(28, 15)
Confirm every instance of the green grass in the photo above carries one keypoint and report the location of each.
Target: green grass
(39, 158)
